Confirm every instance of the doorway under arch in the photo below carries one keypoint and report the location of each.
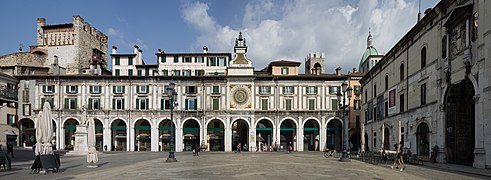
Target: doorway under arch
(191, 133)
(264, 134)
(215, 136)
(142, 135)
(118, 135)
(99, 134)
(70, 127)
(334, 135)
(165, 134)
(422, 138)
(386, 138)
(460, 123)
(240, 134)
(311, 135)
(288, 133)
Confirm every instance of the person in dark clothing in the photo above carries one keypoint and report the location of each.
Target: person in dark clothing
(290, 148)
(10, 150)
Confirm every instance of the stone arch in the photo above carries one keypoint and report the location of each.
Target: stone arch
(311, 140)
(192, 135)
(215, 136)
(191, 118)
(423, 139)
(27, 131)
(291, 118)
(142, 134)
(142, 118)
(267, 118)
(119, 134)
(334, 133)
(240, 133)
(117, 118)
(215, 118)
(64, 120)
(240, 118)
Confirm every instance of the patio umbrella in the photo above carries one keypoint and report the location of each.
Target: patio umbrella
(44, 131)
(92, 154)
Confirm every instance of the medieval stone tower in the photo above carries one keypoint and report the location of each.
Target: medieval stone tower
(314, 63)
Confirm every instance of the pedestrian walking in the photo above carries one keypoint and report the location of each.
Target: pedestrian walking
(10, 150)
(290, 148)
(197, 149)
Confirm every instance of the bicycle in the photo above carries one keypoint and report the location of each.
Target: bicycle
(331, 153)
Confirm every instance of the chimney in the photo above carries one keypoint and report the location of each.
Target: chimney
(159, 51)
(205, 49)
(135, 51)
(338, 71)
(41, 22)
(115, 50)
(140, 58)
(419, 16)
(354, 70)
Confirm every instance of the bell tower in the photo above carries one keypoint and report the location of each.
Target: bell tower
(314, 63)
(240, 65)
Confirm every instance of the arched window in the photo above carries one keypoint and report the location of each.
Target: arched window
(386, 82)
(423, 57)
(444, 47)
(401, 71)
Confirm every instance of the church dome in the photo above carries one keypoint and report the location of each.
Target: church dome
(369, 51)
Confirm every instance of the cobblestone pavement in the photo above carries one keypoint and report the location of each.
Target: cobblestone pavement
(266, 165)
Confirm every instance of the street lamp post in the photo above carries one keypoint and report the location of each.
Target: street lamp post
(346, 91)
(171, 92)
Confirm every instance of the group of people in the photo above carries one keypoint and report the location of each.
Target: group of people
(7, 154)
(400, 157)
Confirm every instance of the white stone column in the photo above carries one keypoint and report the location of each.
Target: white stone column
(107, 134)
(322, 134)
(252, 135)
(154, 141)
(178, 135)
(62, 136)
(277, 130)
(59, 132)
(204, 133)
(129, 136)
(228, 135)
(362, 134)
(300, 134)
(382, 137)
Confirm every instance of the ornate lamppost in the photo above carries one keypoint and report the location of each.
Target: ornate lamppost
(346, 92)
(171, 92)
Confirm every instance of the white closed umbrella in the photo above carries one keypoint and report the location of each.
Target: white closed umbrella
(44, 131)
(92, 154)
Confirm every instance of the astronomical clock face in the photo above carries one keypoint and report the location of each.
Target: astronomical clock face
(241, 96)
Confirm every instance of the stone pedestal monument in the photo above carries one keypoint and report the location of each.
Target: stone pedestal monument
(80, 148)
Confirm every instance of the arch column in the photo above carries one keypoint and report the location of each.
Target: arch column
(300, 134)
(252, 135)
(154, 136)
(276, 131)
(178, 143)
(107, 134)
(228, 134)
(61, 139)
(203, 131)
(129, 136)
(322, 133)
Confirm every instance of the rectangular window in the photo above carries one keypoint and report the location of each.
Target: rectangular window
(10, 119)
(165, 72)
(264, 89)
(130, 72)
(50, 100)
(142, 104)
(212, 61)
(333, 90)
(216, 103)
(199, 59)
(199, 72)
(335, 104)
(130, 60)
(357, 105)
(366, 94)
(186, 72)
(176, 59)
(118, 89)
(118, 104)
(26, 110)
(162, 59)
(117, 61)
(284, 71)
(117, 72)
(48, 88)
(71, 103)
(187, 60)
(423, 94)
(176, 72)
(222, 61)
(311, 104)
(215, 90)
(312, 90)
(357, 90)
(95, 89)
(386, 109)
(71, 89)
(401, 103)
(142, 89)
(264, 104)
(191, 90)
(164, 104)
(147, 72)
(288, 104)
(288, 90)
(191, 104)
(139, 72)
(94, 103)
(155, 72)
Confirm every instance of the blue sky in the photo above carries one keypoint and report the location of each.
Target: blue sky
(274, 29)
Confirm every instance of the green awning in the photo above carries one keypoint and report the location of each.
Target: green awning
(191, 130)
(71, 127)
(143, 128)
(215, 129)
(311, 129)
(264, 129)
(118, 127)
(165, 128)
(98, 128)
(287, 129)
(334, 129)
